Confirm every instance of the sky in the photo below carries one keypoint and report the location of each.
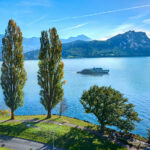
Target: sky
(97, 19)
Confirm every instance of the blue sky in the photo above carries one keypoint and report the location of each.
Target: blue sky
(98, 19)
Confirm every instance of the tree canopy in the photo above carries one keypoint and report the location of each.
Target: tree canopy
(13, 73)
(110, 107)
(50, 72)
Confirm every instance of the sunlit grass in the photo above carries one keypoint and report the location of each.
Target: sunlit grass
(66, 137)
(61, 119)
(3, 148)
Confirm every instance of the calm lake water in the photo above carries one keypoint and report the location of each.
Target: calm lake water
(131, 76)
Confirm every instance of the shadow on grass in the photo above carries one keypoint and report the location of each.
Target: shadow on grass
(74, 139)
(12, 129)
(37, 120)
(82, 140)
(55, 119)
(5, 121)
(19, 129)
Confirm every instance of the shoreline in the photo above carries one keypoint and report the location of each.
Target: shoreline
(92, 57)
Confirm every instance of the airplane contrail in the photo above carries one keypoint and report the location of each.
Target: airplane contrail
(101, 13)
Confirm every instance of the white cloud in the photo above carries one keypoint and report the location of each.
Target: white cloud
(137, 16)
(36, 21)
(118, 30)
(101, 13)
(75, 27)
(146, 21)
(78, 26)
(32, 3)
(124, 28)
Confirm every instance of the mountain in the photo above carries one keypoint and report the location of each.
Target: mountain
(30, 44)
(130, 43)
(33, 43)
(79, 37)
(127, 44)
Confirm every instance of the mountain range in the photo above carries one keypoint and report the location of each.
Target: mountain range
(33, 43)
(128, 44)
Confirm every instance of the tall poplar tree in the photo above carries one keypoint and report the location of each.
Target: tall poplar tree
(13, 73)
(50, 72)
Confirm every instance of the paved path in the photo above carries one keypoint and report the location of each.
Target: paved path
(22, 144)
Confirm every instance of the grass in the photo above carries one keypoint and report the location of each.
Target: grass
(54, 118)
(66, 137)
(3, 148)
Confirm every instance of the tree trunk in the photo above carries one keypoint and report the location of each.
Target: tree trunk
(12, 114)
(102, 128)
(59, 114)
(48, 113)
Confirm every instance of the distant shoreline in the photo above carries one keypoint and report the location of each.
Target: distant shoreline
(97, 57)
(100, 57)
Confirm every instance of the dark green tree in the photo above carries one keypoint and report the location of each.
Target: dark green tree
(127, 121)
(13, 73)
(50, 72)
(107, 104)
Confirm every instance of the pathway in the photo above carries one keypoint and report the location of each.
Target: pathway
(22, 144)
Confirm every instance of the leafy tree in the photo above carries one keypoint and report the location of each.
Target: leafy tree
(127, 121)
(13, 73)
(63, 107)
(50, 72)
(107, 104)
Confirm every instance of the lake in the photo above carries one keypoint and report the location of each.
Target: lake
(131, 76)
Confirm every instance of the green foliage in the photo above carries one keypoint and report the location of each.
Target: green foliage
(50, 72)
(129, 116)
(110, 108)
(13, 73)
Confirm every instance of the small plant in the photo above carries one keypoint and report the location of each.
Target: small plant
(4, 112)
(63, 107)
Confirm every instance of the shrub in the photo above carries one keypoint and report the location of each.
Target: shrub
(4, 112)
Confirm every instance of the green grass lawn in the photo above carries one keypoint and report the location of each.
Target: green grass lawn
(66, 137)
(3, 148)
(54, 118)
